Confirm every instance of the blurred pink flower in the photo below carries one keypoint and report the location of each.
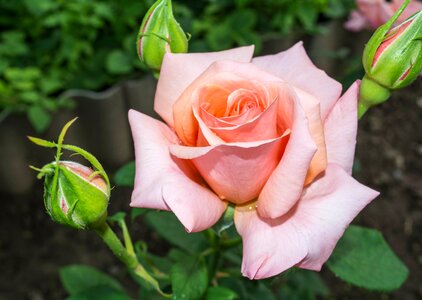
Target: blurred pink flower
(270, 135)
(373, 13)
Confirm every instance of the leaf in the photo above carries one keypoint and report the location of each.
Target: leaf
(41, 142)
(302, 284)
(79, 278)
(363, 258)
(189, 278)
(39, 118)
(220, 293)
(100, 293)
(118, 62)
(125, 176)
(170, 228)
(136, 212)
(117, 217)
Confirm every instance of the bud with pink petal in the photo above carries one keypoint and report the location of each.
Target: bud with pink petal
(392, 60)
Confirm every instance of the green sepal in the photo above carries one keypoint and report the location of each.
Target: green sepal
(160, 33)
(86, 205)
(378, 37)
(403, 54)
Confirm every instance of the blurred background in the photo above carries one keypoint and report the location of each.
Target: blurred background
(60, 59)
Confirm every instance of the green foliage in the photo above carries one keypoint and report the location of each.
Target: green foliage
(189, 278)
(222, 24)
(170, 228)
(83, 282)
(125, 176)
(48, 46)
(363, 258)
(220, 293)
(100, 292)
(302, 285)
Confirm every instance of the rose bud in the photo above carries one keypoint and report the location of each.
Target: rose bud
(75, 195)
(392, 60)
(160, 33)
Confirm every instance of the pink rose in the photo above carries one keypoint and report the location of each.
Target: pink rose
(373, 13)
(268, 134)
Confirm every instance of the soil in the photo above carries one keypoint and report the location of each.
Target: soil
(389, 152)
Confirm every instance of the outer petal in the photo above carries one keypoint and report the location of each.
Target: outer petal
(180, 70)
(307, 235)
(295, 67)
(312, 111)
(341, 128)
(235, 171)
(168, 183)
(285, 185)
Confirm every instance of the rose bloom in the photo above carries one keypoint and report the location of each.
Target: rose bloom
(270, 135)
(371, 14)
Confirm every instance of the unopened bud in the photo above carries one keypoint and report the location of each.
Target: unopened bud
(392, 60)
(160, 33)
(75, 195)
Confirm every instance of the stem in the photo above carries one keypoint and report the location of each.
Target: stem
(116, 246)
(128, 257)
(371, 93)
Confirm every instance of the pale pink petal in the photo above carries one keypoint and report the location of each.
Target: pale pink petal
(235, 171)
(295, 67)
(285, 185)
(167, 183)
(307, 235)
(178, 71)
(356, 22)
(312, 111)
(341, 128)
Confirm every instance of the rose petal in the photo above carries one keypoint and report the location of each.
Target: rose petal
(263, 127)
(312, 111)
(307, 235)
(223, 72)
(179, 70)
(341, 128)
(167, 183)
(356, 22)
(235, 171)
(295, 67)
(285, 185)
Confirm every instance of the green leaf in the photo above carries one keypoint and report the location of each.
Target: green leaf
(125, 176)
(219, 37)
(39, 118)
(170, 228)
(102, 292)
(117, 217)
(118, 62)
(136, 212)
(301, 284)
(363, 258)
(189, 278)
(261, 292)
(220, 293)
(77, 279)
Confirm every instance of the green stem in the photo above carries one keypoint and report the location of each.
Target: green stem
(126, 256)
(116, 246)
(371, 93)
